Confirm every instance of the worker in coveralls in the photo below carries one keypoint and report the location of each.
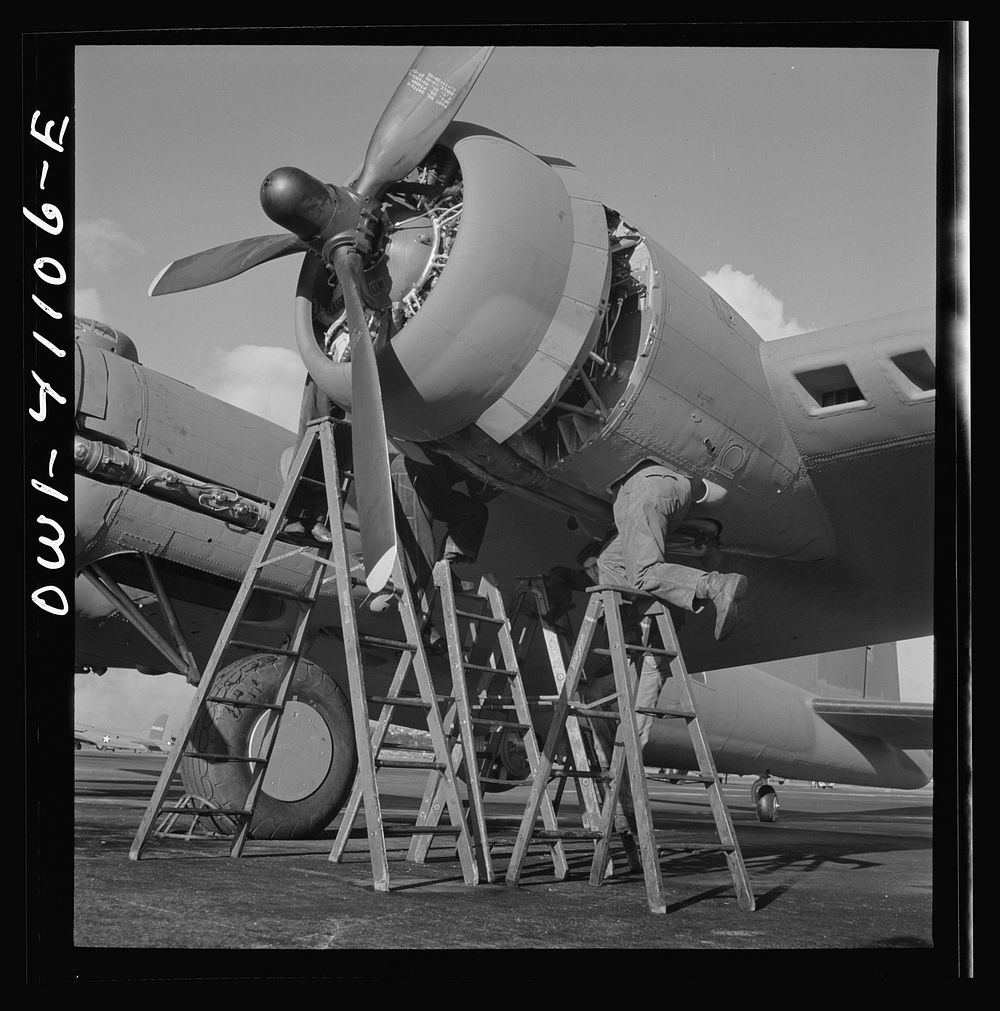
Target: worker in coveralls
(428, 492)
(650, 503)
(311, 519)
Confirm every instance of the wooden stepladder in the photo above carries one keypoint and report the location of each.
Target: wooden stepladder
(370, 744)
(606, 601)
(319, 554)
(485, 720)
(581, 756)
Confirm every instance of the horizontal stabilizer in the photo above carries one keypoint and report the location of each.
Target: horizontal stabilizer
(902, 724)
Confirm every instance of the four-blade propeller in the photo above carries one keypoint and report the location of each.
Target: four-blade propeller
(324, 219)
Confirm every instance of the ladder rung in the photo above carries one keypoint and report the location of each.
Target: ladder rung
(259, 647)
(484, 668)
(393, 830)
(408, 700)
(480, 617)
(506, 782)
(374, 640)
(402, 763)
(669, 713)
(244, 703)
(625, 591)
(535, 700)
(207, 812)
(633, 648)
(562, 773)
(697, 847)
(565, 833)
(500, 724)
(585, 713)
(223, 758)
(657, 778)
(277, 591)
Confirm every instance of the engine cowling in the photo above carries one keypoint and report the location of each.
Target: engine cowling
(559, 346)
(522, 291)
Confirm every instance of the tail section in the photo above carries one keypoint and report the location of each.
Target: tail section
(882, 673)
(865, 672)
(159, 725)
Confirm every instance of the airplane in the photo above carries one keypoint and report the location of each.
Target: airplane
(121, 740)
(498, 312)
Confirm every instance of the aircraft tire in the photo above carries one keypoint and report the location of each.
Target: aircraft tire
(766, 804)
(231, 729)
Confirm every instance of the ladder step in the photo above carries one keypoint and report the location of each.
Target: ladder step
(655, 777)
(374, 640)
(505, 782)
(244, 703)
(565, 833)
(397, 830)
(486, 669)
(668, 713)
(696, 847)
(559, 772)
(277, 591)
(207, 812)
(407, 700)
(403, 763)
(534, 700)
(223, 758)
(500, 724)
(633, 648)
(585, 713)
(472, 616)
(259, 647)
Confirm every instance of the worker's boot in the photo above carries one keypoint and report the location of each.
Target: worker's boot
(724, 590)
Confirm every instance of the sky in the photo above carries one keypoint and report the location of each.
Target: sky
(800, 183)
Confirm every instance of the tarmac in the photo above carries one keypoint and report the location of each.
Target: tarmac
(846, 868)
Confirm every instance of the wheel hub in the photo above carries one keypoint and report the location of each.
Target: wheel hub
(302, 753)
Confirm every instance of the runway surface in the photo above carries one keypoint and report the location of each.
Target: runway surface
(845, 868)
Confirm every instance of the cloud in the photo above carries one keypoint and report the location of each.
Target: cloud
(88, 304)
(265, 380)
(101, 243)
(755, 303)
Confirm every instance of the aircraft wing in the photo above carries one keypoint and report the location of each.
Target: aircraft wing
(907, 725)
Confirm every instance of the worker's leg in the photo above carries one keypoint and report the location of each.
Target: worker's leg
(310, 515)
(647, 695)
(415, 523)
(648, 508)
(466, 519)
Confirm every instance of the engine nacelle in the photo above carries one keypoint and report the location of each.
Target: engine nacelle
(558, 347)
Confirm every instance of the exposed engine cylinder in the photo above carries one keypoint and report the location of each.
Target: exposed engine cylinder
(527, 268)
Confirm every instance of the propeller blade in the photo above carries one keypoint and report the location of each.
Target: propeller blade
(223, 262)
(371, 454)
(425, 102)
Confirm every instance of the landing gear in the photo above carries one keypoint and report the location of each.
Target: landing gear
(502, 755)
(765, 799)
(312, 764)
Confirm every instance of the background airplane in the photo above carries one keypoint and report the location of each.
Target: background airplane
(850, 615)
(122, 740)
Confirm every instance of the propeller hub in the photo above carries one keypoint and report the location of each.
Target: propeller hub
(299, 202)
